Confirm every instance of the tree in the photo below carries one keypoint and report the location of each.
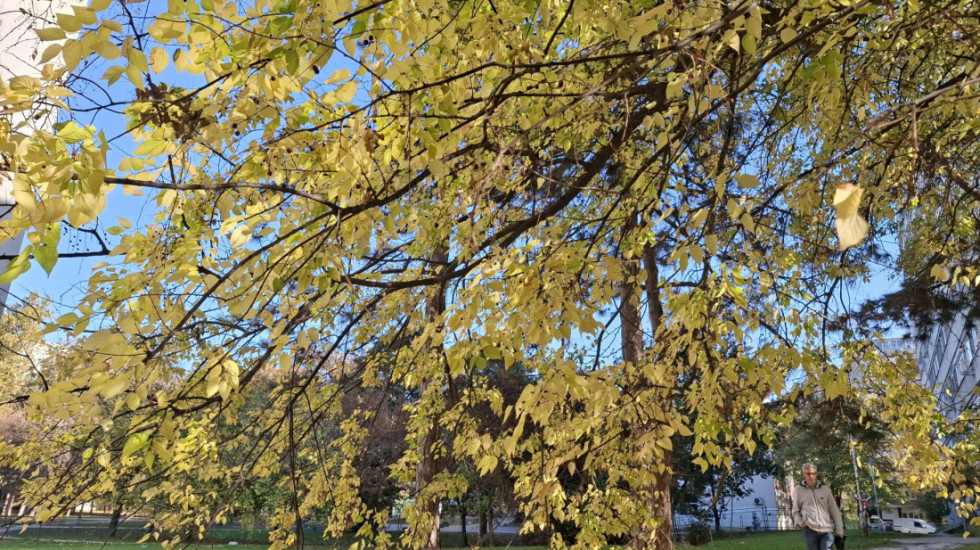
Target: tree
(833, 435)
(27, 364)
(391, 194)
(934, 507)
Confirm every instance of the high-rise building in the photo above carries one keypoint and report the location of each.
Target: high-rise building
(20, 49)
(948, 362)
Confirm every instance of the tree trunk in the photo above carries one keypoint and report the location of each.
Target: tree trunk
(428, 466)
(490, 523)
(114, 520)
(483, 520)
(424, 473)
(654, 532)
(462, 522)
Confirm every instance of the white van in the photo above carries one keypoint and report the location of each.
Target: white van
(912, 525)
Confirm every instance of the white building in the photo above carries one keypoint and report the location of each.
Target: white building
(948, 362)
(768, 507)
(20, 49)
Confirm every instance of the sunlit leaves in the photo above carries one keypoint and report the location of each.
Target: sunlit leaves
(851, 226)
(50, 33)
(411, 195)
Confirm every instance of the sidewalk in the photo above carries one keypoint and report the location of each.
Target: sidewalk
(937, 543)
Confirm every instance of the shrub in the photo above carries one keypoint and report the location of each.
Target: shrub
(698, 533)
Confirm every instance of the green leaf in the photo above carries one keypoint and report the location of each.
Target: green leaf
(359, 27)
(280, 25)
(491, 352)
(46, 256)
(292, 61)
(17, 266)
(134, 443)
(72, 133)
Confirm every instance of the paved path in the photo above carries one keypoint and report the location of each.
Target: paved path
(937, 543)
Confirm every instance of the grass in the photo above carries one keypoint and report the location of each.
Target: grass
(7, 544)
(94, 538)
(792, 540)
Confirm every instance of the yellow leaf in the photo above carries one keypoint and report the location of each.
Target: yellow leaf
(338, 75)
(747, 181)
(754, 24)
(115, 386)
(345, 92)
(69, 23)
(159, 59)
(213, 382)
(25, 83)
(85, 15)
(167, 429)
(851, 226)
(240, 236)
(137, 60)
(71, 54)
(99, 5)
(731, 38)
(50, 33)
(107, 49)
(50, 53)
(132, 401)
(487, 464)
(181, 59)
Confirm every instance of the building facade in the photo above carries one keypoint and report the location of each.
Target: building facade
(768, 507)
(948, 362)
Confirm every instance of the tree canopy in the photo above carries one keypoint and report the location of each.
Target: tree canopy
(654, 208)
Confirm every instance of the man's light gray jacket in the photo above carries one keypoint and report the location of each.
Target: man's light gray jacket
(816, 507)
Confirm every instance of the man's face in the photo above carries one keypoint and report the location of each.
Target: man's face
(810, 477)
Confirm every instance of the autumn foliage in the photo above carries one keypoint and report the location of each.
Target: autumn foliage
(371, 210)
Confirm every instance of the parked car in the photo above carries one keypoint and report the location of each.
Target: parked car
(912, 525)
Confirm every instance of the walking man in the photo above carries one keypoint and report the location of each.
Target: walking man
(815, 511)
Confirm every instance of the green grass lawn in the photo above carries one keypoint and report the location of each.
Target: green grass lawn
(129, 533)
(792, 540)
